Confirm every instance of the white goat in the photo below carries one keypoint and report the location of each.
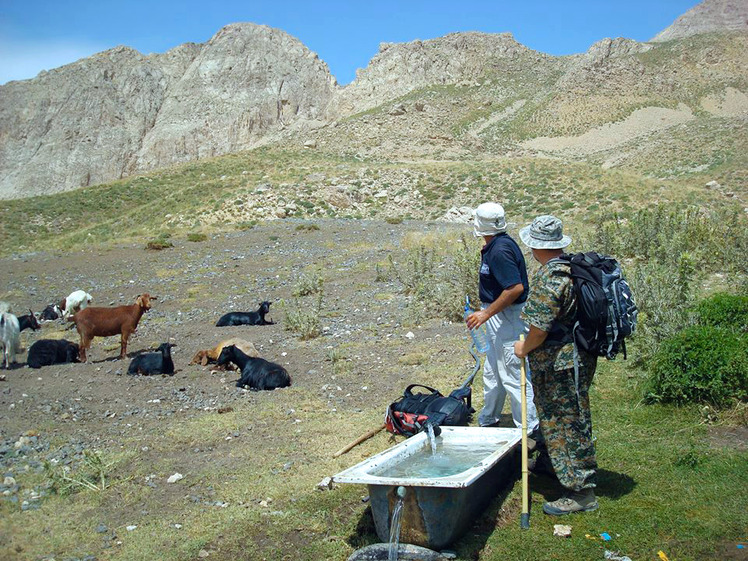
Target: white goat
(10, 337)
(74, 303)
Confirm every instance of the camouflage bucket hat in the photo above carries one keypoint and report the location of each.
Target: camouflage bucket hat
(545, 232)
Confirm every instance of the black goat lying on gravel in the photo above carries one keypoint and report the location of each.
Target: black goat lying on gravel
(257, 373)
(149, 364)
(50, 312)
(246, 318)
(45, 352)
(28, 322)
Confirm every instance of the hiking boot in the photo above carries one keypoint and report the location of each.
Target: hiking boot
(541, 465)
(572, 501)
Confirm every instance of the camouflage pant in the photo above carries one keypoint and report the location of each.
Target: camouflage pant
(565, 422)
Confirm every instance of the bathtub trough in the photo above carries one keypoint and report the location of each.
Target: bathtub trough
(445, 493)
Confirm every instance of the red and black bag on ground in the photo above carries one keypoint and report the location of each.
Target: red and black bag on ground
(410, 413)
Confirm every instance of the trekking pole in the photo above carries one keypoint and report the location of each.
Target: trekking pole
(524, 521)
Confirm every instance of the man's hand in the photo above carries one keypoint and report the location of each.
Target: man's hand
(519, 349)
(534, 339)
(476, 319)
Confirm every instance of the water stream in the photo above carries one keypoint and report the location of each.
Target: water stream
(432, 438)
(397, 513)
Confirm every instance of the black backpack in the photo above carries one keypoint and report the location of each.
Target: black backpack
(606, 311)
(409, 414)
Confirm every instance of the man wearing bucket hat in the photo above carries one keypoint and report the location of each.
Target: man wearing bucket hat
(561, 398)
(503, 288)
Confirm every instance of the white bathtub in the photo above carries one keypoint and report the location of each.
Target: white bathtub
(438, 510)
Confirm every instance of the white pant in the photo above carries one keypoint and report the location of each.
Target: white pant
(501, 371)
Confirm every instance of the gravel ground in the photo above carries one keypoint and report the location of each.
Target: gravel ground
(56, 413)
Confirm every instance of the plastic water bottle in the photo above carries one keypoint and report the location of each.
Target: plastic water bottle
(479, 334)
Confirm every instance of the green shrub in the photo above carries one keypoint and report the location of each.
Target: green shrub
(303, 319)
(667, 252)
(664, 295)
(724, 310)
(196, 237)
(381, 274)
(394, 220)
(159, 243)
(439, 280)
(701, 364)
(246, 225)
(308, 284)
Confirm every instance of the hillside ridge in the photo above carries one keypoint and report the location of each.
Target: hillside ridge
(463, 95)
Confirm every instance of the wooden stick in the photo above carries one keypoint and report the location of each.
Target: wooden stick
(358, 441)
(524, 521)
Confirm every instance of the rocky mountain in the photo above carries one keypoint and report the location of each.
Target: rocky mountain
(464, 95)
(457, 58)
(708, 16)
(118, 112)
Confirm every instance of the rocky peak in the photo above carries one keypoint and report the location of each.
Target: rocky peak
(120, 112)
(709, 16)
(613, 48)
(399, 68)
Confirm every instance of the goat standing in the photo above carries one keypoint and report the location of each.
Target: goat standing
(75, 302)
(10, 335)
(105, 322)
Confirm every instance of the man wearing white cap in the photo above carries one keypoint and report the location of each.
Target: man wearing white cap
(503, 288)
(561, 390)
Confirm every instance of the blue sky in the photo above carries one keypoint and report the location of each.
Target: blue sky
(40, 34)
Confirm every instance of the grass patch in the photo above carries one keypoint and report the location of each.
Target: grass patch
(159, 243)
(307, 227)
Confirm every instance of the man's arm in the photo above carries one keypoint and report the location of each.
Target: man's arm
(534, 339)
(505, 299)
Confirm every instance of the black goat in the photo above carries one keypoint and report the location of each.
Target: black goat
(50, 312)
(257, 373)
(246, 318)
(28, 322)
(149, 364)
(45, 352)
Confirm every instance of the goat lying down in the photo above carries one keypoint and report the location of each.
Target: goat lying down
(246, 318)
(149, 364)
(257, 373)
(51, 312)
(105, 322)
(46, 352)
(28, 321)
(211, 355)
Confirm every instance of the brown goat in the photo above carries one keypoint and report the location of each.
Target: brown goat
(104, 322)
(211, 355)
